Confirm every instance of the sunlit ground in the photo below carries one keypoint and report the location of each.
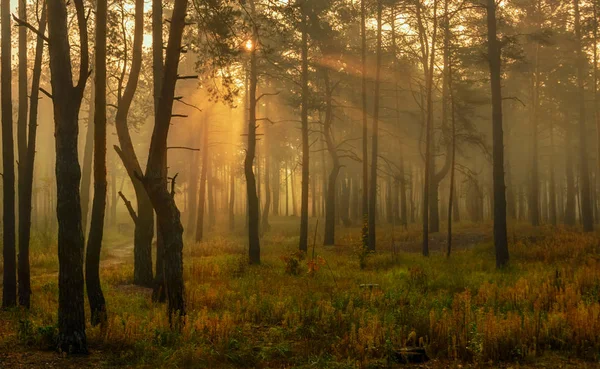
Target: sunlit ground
(544, 310)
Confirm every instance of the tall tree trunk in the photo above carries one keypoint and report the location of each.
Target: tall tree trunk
(287, 187)
(159, 286)
(552, 183)
(168, 214)
(449, 94)
(330, 216)
(202, 193)
(534, 195)
(94, 245)
(193, 193)
(365, 132)
(144, 225)
(587, 217)
(265, 214)
(231, 198)
(67, 102)
(428, 62)
(26, 177)
(88, 153)
(305, 144)
(500, 238)
(375, 136)
(24, 283)
(9, 291)
(253, 204)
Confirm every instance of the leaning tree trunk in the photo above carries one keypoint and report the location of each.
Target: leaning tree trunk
(26, 177)
(67, 102)
(587, 217)
(375, 137)
(92, 258)
(305, 144)
(163, 202)
(500, 238)
(144, 225)
(9, 291)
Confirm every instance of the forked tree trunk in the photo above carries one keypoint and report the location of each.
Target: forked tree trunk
(67, 102)
(94, 245)
(144, 225)
(154, 179)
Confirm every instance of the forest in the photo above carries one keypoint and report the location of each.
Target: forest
(300, 183)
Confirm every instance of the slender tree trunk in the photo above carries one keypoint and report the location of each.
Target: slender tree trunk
(92, 259)
(330, 214)
(534, 196)
(305, 144)
(253, 204)
(26, 177)
(287, 187)
(500, 238)
(365, 133)
(552, 184)
(375, 136)
(193, 193)
(584, 176)
(88, 153)
(265, 214)
(202, 193)
(429, 133)
(67, 102)
(9, 291)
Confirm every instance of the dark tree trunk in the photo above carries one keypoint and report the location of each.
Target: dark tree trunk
(67, 102)
(210, 196)
(9, 291)
(276, 185)
(94, 245)
(163, 201)
(265, 214)
(287, 195)
(305, 144)
(500, 239)
(193, 194)
(587, 217)
(26, 177)
(330, 216)
(365, 132)
(534, 195)
(88, 154)
(375, 136)
(253, 204)
(202, 193)
(428, 63)
(144, 226)
(569, 217)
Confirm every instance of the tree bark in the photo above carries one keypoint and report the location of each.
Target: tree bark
(587, 217)
(168, 215)
(202, 193)
(500, 238)
(253, 204)
(9, 291)
(144, 227)
(375, 136)
(303, 246)
(94, 245)
(67, 102)
(26, 177)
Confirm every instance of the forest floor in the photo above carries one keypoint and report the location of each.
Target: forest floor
(321, 310)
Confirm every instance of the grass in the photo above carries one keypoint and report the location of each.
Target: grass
(462, 310)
